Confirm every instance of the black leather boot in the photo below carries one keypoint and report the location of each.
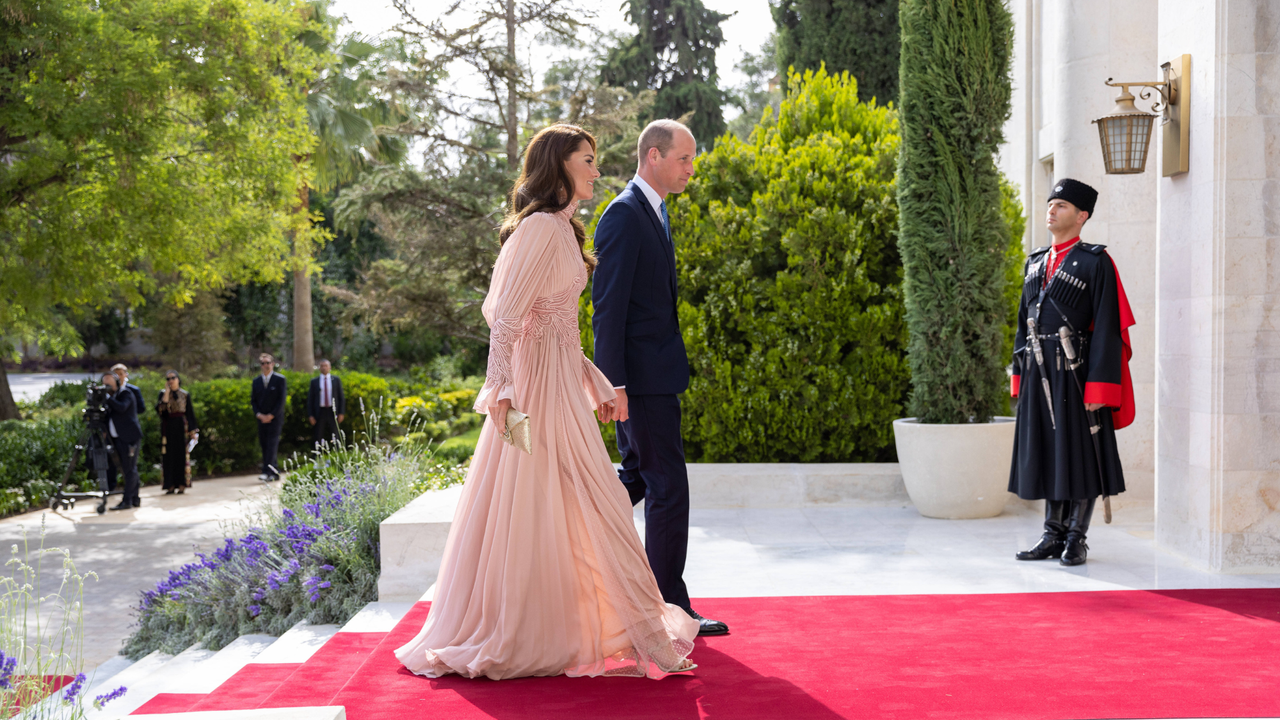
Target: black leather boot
(1077, 528)
(1053, 542)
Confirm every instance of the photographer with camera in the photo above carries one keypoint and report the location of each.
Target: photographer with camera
(126, 435)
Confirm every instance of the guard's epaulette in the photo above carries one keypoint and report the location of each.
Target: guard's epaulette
(1091, 248)
(1038, 251)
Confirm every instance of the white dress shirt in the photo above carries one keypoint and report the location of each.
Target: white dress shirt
(326, 391)
(650, 194)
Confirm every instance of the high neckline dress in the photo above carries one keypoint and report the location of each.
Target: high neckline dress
(544, 572)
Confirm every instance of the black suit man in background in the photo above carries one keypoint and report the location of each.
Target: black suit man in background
(269, 393)
(121, 371)
(126, 436)
(326, 406)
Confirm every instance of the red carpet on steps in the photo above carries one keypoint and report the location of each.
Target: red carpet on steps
(1051, 656)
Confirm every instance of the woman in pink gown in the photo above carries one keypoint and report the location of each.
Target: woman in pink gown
(544, 572)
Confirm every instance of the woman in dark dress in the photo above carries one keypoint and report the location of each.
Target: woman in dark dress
(177, 427)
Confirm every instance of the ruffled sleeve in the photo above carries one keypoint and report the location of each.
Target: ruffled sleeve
(524, 264)
(598, 387)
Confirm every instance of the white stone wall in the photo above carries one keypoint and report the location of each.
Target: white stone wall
(1218, 498)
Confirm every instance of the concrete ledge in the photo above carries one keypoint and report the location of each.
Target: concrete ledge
(412, 545)
(413, 539)
(716, 486)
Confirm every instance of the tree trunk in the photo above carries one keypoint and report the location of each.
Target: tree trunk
(513, 90)
(8, 408)
(304, 357)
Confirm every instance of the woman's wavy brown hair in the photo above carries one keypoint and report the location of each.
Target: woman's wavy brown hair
(545, 185)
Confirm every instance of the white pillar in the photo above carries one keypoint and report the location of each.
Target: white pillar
(1218, 495)
(1096, 40)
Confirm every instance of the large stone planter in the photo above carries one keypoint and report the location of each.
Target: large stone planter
(956, 471)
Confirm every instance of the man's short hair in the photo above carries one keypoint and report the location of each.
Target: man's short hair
(120, 366)
(323, 361)
(266, 357)
(108, 374)
(658, 134)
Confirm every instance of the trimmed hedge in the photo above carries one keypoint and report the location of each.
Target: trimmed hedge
(33, 458)
(791, 307)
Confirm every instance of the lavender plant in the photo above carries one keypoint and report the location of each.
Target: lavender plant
(41, 649)
(309, 553)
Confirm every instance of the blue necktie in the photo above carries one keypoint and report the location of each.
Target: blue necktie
(666, 221)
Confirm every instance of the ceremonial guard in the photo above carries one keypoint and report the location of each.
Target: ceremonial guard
(1071, 378)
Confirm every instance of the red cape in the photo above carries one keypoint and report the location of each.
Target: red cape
(1123, 417)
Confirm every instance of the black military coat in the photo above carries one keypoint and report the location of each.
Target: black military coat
(1053, 457)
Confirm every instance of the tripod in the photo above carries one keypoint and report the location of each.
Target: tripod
(95, 443)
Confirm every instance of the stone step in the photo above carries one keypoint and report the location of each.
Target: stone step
(131, 676)
(332, 712)
(297, 645)
(194, 671)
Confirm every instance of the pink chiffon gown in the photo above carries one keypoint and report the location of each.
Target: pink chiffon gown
(544, 572)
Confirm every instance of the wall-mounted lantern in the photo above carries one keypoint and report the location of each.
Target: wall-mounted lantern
(1126, 132)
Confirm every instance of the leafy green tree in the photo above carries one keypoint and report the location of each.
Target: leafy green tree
(791, 304)
(191, 338)
(144, 139)
(858, 36)
(673, 52)
(953, 234)
(353, 123)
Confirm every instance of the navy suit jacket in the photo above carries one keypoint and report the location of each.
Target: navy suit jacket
(637, 333)
(313, 397)
(122, 412)
(268, 399)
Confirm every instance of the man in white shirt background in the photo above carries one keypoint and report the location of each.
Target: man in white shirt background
(326, 406)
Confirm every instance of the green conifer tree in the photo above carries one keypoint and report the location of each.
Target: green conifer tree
(953, 235)
(673, 52)
(858, 36)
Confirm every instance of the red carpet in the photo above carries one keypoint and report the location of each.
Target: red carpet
(1197, 654)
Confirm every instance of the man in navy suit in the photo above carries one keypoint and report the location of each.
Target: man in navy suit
(639, 348)
(326, 405)
(121, 371)
(268, 398)
(126, 436)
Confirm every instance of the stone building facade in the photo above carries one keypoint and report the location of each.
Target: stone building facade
(1198, 252)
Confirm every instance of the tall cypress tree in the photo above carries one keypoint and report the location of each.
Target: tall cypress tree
(860, 36)
(673, 52)
(952, 235)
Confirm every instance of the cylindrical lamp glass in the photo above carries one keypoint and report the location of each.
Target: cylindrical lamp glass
(1125, 140)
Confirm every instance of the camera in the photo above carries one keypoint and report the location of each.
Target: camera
(95, 410)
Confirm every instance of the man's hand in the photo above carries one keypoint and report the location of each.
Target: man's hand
(620, 413)
(312, 420)
(498, 414)
(340, 417)
(265, 418)
(1093, 407)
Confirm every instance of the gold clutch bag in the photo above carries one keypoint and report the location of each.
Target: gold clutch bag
(518, 433)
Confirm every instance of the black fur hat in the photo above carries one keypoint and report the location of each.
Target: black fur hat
(1076, 193)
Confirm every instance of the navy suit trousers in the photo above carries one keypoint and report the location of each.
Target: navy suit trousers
(653, 470)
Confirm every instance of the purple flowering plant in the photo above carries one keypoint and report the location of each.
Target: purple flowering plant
(308, 552)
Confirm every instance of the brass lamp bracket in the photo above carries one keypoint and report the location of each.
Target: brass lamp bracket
(1167, 89)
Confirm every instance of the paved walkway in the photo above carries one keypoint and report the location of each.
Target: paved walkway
(30, 386)
(132, 550)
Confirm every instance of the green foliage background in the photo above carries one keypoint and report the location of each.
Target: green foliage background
(789, 275)
(954, 236)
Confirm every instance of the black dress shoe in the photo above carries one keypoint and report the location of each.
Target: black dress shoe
(137, 503)
(126, 505)
(707, 626)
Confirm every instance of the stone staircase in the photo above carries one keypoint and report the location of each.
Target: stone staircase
(256, 677)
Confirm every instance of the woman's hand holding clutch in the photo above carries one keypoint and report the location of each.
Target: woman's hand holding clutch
(498, 414)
